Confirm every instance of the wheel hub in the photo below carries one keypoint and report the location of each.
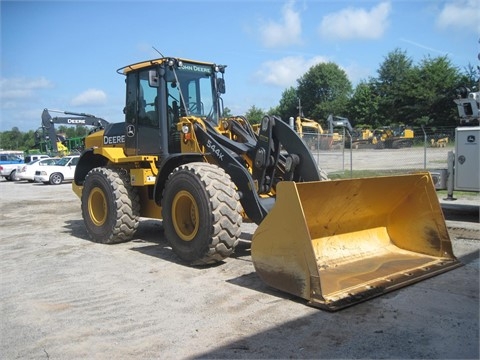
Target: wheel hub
(97, 206)
(185, 215)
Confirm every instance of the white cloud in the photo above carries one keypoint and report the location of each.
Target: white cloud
(464, 14)
(356, 23)
(286, 71)
(90, 97)
(21, 88)
(283, 33)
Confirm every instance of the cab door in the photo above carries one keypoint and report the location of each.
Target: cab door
(142, 115)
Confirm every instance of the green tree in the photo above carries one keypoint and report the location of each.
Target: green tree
(363, 105)
(273, 111)
(11, 140)
(324, 89)
(28, 140)
(254, 115)
(288, 105)
(430, 92)
(394, 79)
(227, 112)
(471, 77)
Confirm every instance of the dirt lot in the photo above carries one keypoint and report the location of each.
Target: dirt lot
(65, 297)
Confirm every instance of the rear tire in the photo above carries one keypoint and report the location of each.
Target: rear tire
(12, 176)
(110, 206)
(201, 213)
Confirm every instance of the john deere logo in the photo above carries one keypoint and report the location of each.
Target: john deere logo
(471, 138)
(130, 130)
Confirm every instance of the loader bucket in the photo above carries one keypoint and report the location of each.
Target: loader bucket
(337, 243)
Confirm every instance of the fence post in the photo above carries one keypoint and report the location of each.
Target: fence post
(424, 148)
(450, 175)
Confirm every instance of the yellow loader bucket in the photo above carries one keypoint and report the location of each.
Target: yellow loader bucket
(337, 243)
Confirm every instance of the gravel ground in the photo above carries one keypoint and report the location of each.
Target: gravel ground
(65, 297)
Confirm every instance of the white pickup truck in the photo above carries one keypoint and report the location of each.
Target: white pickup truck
(8, 164)
(63, 170)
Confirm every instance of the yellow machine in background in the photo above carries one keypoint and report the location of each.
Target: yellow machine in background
(362, 139)
(313, 134)
(441, 142)
(394, 138)
(175, 158)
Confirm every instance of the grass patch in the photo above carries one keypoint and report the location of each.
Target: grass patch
(457, 193)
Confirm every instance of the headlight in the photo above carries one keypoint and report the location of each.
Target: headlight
(187, 135)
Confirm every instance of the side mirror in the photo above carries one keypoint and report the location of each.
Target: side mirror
(221, 85)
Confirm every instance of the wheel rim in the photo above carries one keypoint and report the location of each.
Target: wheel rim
(185, 215)
(97, 206)
(57, 179)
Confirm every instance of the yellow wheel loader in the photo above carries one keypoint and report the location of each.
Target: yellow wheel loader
(333, 243)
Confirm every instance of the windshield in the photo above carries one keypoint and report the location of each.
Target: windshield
(190, 89)
(63, 161)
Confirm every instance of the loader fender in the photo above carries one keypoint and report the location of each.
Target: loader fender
(88, 161)
(166, 168)
(336, 243)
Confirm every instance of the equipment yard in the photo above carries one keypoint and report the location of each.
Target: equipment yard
(66, 297)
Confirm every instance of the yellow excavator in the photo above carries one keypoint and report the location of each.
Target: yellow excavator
(313, 134)
(175, 158)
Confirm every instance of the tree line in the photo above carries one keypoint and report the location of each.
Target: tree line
(402, 93)
(17, 140)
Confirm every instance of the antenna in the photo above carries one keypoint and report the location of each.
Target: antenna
(158, 51)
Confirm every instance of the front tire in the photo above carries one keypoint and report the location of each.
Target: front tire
(201, 213)
(110, 206)
(56, 179)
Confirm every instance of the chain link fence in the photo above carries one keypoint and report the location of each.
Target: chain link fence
(427, 151)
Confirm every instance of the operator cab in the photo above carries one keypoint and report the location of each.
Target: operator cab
(159, 93)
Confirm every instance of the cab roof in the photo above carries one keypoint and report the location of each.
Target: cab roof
(143, 64)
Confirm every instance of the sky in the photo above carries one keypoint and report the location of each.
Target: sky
(63, 55)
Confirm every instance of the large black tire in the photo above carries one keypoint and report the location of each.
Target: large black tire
(110, 206)
(201, 213)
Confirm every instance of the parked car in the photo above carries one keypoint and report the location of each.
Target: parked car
(30, 158)
(27, 171)
(8, 164)
(63, 170)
